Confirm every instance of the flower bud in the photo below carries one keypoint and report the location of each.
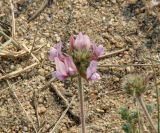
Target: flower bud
(135, 84)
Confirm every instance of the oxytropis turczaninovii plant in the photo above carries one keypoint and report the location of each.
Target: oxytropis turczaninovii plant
(131, 118)
(136, 85)
(80, 60)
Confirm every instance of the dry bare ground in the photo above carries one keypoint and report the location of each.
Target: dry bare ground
(129, 31)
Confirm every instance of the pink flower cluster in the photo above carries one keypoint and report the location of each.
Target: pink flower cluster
(81, 59)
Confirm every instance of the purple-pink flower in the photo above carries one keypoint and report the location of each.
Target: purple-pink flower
(61, 72)
(64, 68)
(82, 53)
(81, 42)
(70, 66)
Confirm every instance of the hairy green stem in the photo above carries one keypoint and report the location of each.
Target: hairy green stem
(81, 94)
(139, 119)
(140, 99)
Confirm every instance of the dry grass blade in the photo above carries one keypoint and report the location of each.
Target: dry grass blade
(12, 54)
(9, 38)
(15, 73)
(5, 44)
(16, 54)
(25, 47)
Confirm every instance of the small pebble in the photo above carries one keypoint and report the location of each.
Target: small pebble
(12, 67)
(113, 1)
(41, 109)
(25, 128)
(41, 72)
(99, 110)
(130, 69)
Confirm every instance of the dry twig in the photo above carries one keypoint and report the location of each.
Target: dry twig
(13, 18)
(43, 6)
(112, 53)
(62, 116)
(65, 102)
(35, 105)
(54, 88)
(126, 65)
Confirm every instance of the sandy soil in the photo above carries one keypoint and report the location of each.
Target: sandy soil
(116, 24)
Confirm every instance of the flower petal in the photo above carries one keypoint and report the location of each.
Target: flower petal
(58, 75)
(52, 54)
(91, 69)
(97, 51)
(70, 66)
(56, 52)
(60, 67)
(100, 50)
(79, 41)
(82, 42)
(72, 41)
(87, 43)
(58, 47)
(95, 76)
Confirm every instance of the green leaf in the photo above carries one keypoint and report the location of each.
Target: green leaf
(127, 127)
(124, 113)
(150, 108)
(115, 131)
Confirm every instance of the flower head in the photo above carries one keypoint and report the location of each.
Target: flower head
(81, 58)
(135, 84)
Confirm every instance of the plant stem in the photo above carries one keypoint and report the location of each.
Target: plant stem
(139, 119)
(140, 99)
(81, 93)
(157, 91)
